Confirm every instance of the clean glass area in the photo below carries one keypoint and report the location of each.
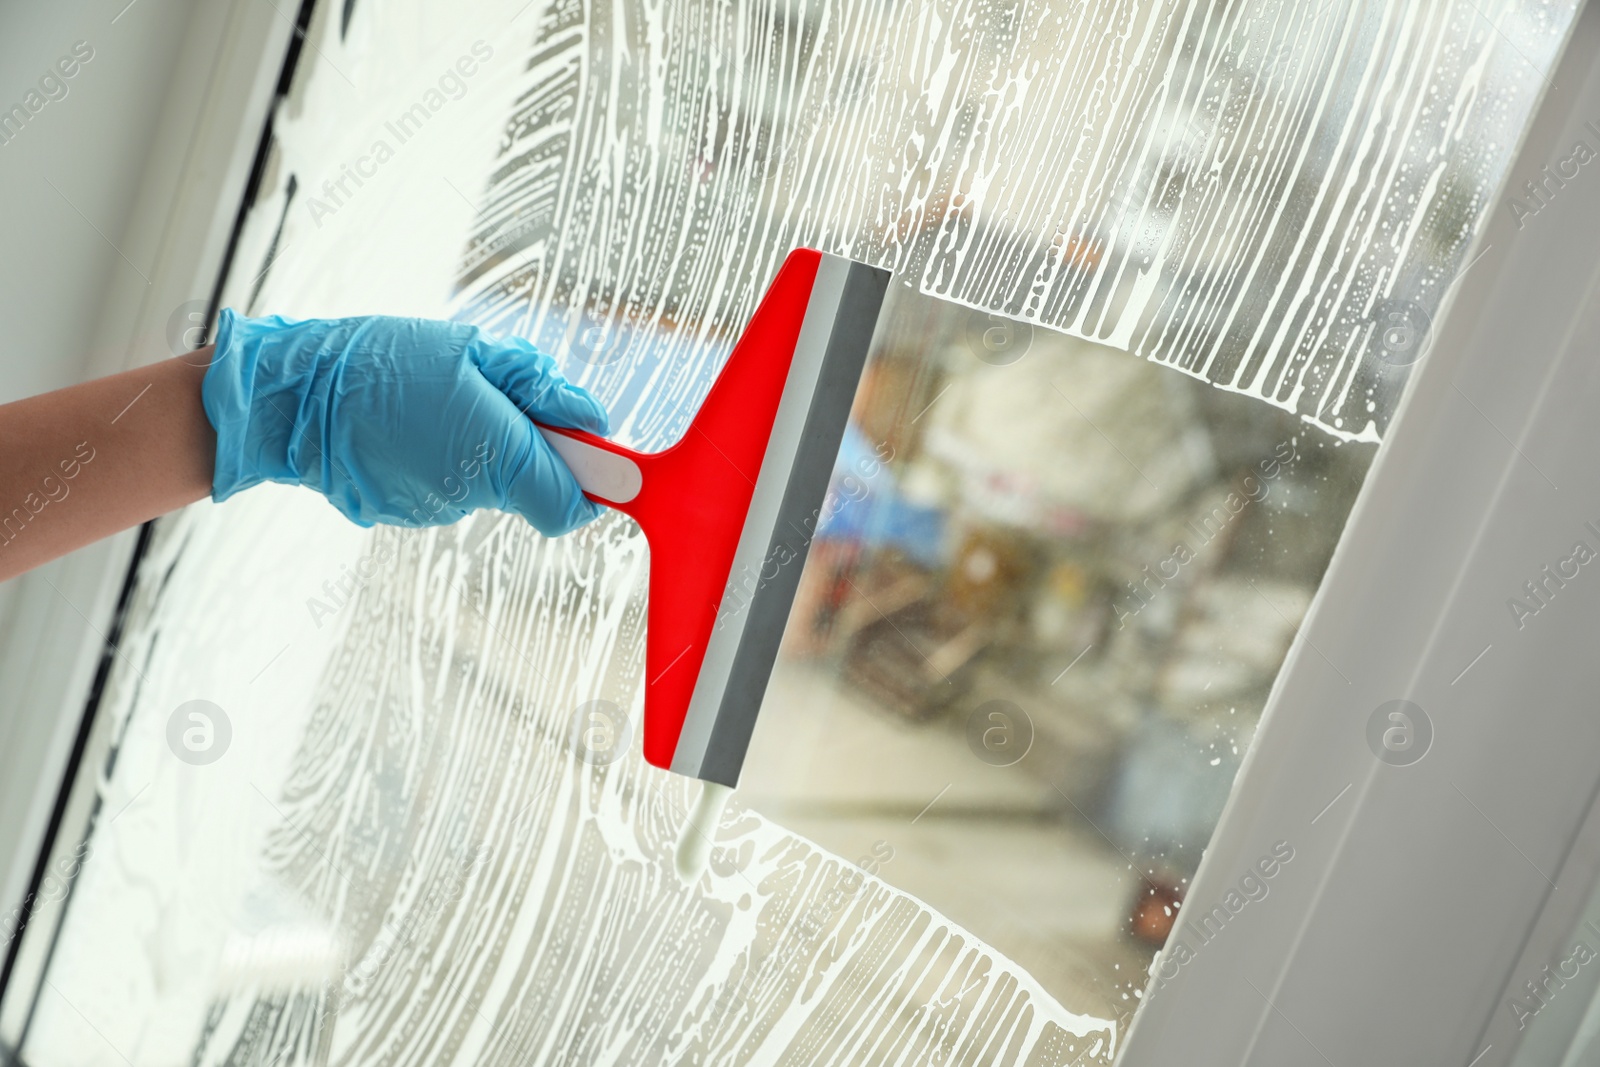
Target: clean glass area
(1162, 271)
(1036, 632)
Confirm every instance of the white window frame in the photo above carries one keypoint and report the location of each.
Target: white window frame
(1420, 897)
(56, 622)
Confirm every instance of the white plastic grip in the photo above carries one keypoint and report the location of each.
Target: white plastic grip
(606, 475)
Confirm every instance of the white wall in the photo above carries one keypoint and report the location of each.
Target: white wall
(93, 145)
(116, 203)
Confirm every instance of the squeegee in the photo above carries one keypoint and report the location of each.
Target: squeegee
(730, 509)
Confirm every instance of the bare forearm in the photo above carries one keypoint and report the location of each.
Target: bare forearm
(84, 462)
(394, 420)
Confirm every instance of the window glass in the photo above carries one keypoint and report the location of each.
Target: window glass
(1162, 270)
(1036, 631)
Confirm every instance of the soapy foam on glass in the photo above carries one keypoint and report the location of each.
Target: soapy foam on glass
(494, 898)
(434, 820)
(1274, 197)
(400, 771)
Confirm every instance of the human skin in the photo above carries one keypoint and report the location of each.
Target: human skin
(150, 450)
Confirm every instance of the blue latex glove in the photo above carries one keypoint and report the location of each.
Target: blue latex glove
(410, 422)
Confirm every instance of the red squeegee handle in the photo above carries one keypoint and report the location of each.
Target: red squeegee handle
(716, 462)
(691, 500)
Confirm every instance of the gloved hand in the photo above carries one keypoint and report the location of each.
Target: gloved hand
(403, 421)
